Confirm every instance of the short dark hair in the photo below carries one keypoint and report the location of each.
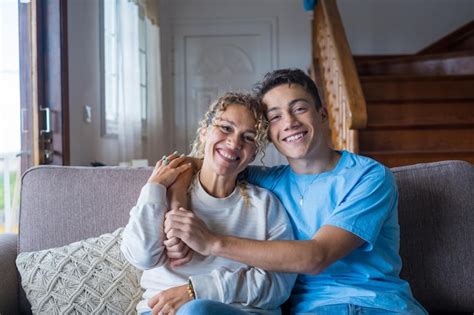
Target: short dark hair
(288, 76)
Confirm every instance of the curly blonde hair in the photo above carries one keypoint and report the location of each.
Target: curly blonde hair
(219, 106)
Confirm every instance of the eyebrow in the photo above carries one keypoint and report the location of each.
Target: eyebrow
(229, 121)
(290, 104)
(293, 102)
(233, 124)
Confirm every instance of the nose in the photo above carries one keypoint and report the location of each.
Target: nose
(234, 141)
(290, 122)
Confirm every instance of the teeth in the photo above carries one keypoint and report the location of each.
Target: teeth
(294, 138)
(228, 156)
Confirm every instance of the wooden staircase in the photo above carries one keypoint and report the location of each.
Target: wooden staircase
(420, 108)
(398, 110)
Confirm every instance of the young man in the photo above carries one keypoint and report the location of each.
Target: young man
(343, 208)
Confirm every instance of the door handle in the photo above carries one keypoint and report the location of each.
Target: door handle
(23, 122)
(23, 153)
(47, 112)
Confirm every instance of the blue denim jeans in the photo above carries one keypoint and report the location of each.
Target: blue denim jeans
(347, 309)
(206, 307)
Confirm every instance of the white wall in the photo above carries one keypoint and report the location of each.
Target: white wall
(400, 26)
(87, 145)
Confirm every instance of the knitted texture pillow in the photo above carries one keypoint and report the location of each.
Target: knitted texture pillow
(86, 277)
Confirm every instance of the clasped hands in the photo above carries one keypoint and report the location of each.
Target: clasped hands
(185, 233)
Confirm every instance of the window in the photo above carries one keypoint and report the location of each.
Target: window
(111, 51)
(109, 91)
(10, 133)
(143, 68)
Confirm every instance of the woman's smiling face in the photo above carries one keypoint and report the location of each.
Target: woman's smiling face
(230, 141)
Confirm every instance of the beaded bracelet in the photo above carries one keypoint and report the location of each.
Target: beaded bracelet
(191, 290)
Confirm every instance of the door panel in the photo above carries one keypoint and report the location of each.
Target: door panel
(55, 82)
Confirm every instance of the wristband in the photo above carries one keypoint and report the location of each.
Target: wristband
(191, 290)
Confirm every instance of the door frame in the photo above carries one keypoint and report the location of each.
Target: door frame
(44, 92)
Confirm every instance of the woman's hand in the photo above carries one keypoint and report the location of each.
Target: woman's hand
(178, 252)
(186, 226)
(169, 301)
(168, 169)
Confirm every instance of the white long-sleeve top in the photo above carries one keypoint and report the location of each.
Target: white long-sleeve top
(214, 278)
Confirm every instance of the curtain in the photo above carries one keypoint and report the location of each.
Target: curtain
(129, 122)
(150, 8)
(138, 81)
(156, 144)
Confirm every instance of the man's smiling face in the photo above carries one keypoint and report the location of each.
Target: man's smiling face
(295, 123)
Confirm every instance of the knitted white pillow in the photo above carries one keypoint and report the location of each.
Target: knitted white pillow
(86, 277)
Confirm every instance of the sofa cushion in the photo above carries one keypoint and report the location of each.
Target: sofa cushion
(88, 277)
(436, 216)
(60, 205)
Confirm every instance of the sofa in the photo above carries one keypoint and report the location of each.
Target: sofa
(61, 205)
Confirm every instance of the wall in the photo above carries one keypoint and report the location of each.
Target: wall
(400, 26)
(87, 145)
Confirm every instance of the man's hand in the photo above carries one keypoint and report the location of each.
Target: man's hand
(167, 170)
(178, 252)
(185, 225)
(169, 301)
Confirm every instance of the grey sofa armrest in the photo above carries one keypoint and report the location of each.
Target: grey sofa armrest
(8, 274)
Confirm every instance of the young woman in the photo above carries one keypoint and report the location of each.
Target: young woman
(230, 136)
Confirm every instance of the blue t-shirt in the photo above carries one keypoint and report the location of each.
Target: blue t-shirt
(359, 195)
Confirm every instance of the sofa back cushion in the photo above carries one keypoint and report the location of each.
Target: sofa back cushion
(436, 216)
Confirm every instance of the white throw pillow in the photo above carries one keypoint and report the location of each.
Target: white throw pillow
(86, 277)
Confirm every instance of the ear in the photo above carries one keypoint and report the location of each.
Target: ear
(324, 114)
(253, 157)
(269, 139)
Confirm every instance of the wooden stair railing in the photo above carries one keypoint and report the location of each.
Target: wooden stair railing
(335, 74)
